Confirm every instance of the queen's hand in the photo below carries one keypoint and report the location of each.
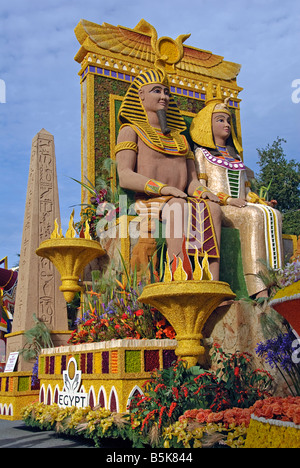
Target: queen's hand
(237, 202)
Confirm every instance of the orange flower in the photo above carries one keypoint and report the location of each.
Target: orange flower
(267, 412)
(170, 332)
(296, 416)
(122, 286)
(258, 404)
(203, 415)
(277, 408)
(215, 417)
(192, 413)
(161, 323)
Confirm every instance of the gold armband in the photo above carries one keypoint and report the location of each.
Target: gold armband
(190, 155)
(254, 198)
(199, 191)
(223, 197)
(126, 145)
(203, 176)
(153, 187)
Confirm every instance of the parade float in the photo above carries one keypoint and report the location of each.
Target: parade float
(287, 300)
(8, 287)
(143, 363)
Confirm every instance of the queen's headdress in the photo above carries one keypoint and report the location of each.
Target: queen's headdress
(201, 127)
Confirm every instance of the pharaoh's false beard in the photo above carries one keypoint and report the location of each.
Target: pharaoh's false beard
(162, 117)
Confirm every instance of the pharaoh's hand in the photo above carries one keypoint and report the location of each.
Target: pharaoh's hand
(210, 196)
(237, 202)
(173, 191)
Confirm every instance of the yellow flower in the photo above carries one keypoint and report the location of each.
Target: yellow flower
(135, 423)
(197, 444)
(91, 426)
(264, 435)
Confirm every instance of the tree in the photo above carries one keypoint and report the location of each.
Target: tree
(284, 179)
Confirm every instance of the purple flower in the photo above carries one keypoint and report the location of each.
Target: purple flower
(278, 351)
(35, 373)
(290, 274)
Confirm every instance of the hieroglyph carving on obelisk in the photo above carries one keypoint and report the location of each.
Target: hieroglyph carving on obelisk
(38, 286)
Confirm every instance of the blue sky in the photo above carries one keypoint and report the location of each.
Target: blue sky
(37, 49)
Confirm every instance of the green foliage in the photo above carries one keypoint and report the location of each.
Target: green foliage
(37, 338)
(173, 391)
(272, 323)
(279, 178)
(102, 207)
(291, 223)
(72, 310)
(283, 175)
(270, 278)
(240, 385)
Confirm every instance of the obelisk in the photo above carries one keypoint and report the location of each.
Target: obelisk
(38, 282)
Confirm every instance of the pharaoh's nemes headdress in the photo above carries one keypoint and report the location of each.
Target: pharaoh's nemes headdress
(132, 110)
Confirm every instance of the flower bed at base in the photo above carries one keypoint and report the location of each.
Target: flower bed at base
(235, 428)
(167, 396)
(198, 428)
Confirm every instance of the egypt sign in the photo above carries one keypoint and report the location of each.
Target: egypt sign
(71, 396)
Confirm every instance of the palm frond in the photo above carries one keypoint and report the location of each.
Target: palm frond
(87, 187)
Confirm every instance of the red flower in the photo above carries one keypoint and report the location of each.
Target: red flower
(142, 401)
(236, 371)
(172, 407)
(159, 386)
(139, 312)
(163, 408)
(88, 322)
(148, 417)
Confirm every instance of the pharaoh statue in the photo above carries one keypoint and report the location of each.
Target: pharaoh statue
(154, 160)
(221, 169)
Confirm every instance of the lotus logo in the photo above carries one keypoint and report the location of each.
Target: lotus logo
(71, 385)
(71, 396)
